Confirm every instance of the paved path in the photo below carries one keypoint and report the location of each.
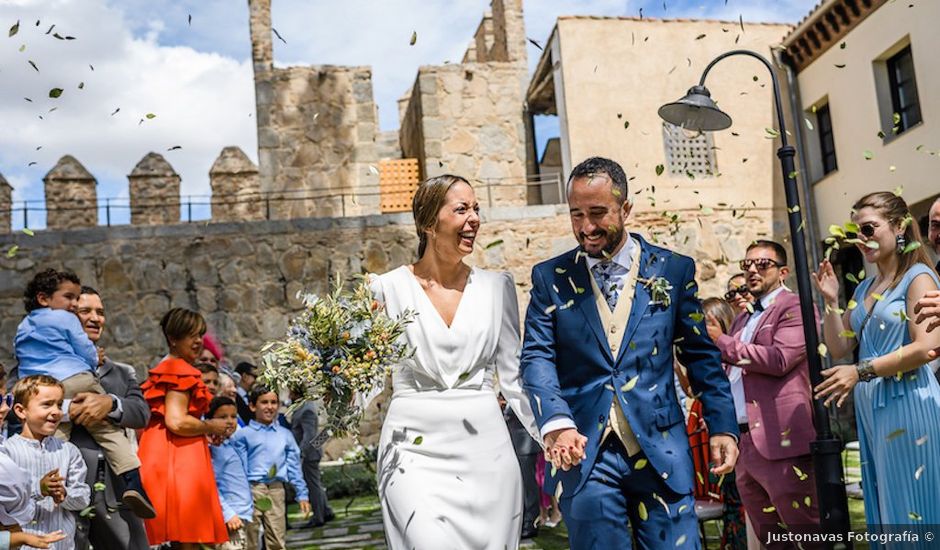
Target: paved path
(359, 529)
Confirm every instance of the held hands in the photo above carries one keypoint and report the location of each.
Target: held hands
(218, 427)
(565, 448)
(827, 283)
(838, 383)
(723, 452)
(51, 485)
(90, 408)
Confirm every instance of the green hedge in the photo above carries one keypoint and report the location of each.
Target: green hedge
(349, 480)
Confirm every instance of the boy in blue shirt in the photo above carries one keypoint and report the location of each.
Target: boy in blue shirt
(230, 477)
(51, 341)
(272, 458)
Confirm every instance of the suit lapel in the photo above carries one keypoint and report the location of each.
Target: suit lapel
(580, 276)
(651, 265)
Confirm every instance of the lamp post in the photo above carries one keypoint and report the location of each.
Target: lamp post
(697, 111)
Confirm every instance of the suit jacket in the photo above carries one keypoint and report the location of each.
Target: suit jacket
(304, 424)
(776, 378)
(568, 368)
(118, 379)
(243, 409)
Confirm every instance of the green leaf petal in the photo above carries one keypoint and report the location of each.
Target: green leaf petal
(263, 504)
(493, 244)
(641, 510)
(419, 440)
(15, 28)
(868, 155)
(55, 93)
(630, 384)
(660, 169)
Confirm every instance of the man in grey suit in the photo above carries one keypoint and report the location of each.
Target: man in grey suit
(112, 525)
(305, 426)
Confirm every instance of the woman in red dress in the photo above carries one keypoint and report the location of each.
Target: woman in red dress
(175, 463)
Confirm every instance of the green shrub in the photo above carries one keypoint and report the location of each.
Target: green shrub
(349, 480)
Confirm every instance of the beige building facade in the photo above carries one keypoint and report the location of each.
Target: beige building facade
(857, 64)
(605, 79)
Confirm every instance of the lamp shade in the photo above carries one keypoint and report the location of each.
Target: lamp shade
(696, 111)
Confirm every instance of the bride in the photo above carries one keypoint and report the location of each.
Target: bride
(447, 473)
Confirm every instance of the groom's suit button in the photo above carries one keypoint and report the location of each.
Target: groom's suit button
(613, 329)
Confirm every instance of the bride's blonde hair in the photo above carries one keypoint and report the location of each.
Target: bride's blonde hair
(427, 203)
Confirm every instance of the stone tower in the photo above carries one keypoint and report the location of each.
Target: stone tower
(71, 195)
(316, 132)
(154, 192)
(469, 118)
(236, 189)
(6, 205)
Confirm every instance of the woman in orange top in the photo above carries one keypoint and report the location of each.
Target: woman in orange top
(175, 463)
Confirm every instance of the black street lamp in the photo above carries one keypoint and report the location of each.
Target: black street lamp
(697, 111)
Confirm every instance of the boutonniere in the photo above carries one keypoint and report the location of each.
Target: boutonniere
(660, 290)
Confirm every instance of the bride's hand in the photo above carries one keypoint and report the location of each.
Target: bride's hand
(565, 448)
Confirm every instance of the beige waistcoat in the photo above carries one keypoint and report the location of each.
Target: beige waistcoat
(615, 324)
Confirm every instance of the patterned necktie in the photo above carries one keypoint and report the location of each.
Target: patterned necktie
(603, 275)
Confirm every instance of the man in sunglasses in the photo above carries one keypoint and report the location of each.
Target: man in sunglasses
(775, 469)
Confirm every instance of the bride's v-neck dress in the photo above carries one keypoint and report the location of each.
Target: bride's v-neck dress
(447, 473)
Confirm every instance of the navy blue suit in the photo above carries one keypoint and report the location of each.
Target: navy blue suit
(568, 369)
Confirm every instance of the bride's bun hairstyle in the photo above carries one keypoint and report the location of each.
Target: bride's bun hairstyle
(427, 202)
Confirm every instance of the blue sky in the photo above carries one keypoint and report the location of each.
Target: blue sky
(147, 57)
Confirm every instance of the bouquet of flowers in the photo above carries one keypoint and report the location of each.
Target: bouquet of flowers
(341, 346)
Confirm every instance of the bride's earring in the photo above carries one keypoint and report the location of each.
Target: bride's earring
(901, 242)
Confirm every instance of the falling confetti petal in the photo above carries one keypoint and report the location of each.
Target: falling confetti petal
(55, 93)
(278, 35)
(895, 434)
(630, 384)
(15, 28)
(919, 472)
(641, 510)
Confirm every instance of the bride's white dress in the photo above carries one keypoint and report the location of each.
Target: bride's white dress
(447, 473)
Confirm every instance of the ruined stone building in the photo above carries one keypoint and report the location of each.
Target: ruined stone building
(331, 193)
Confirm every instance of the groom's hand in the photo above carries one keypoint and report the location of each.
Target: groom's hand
(565, 448)
(724, 453)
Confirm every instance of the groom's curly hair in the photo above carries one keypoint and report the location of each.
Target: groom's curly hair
(599, 165)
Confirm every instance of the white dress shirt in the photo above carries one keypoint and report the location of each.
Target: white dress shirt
(16, 507)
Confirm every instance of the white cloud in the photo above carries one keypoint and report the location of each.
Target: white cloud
(202, 101)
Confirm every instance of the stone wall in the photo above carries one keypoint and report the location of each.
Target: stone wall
(6, 204)
(244, 276)
(71, 195)
(154, 189)
(316, 132)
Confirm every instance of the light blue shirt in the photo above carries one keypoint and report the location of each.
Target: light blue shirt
(264, 447)
(232, 481)
(52, 342)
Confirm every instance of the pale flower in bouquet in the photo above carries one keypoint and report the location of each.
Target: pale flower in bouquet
(340, 347)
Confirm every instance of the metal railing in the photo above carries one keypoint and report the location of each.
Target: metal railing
(268, 201)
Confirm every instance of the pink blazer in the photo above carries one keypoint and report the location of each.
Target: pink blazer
(776, 378)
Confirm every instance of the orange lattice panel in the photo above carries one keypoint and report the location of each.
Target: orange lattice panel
(398, 180)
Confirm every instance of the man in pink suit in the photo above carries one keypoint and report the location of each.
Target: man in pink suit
(772, 397)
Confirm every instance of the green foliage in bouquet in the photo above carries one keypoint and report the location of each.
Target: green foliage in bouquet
(340, 346)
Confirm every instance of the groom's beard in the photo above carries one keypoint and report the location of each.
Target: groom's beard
(613, 241)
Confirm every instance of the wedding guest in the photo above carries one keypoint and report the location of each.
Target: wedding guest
(897, 400)
(247, 375)
(775, 468)
(933, 229)
(305, 426)
(51, 341)
(211, 350)
(227, 387)
(272, 459)
(18, 507)
(173, 448)
(549, 512)
(734, 530)
(54, 466)
(210, 376)
(112, 525)
(528, 451)
(230, 477)
(738, 294)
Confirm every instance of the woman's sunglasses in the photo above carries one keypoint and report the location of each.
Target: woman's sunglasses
(866, 229)
(731, 294)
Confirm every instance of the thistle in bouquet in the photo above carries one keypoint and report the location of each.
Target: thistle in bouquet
(340, 346)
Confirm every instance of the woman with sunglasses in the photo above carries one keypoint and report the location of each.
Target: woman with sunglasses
(897, 399)
(738, 295)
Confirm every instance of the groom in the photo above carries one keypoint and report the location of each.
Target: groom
(597, 362)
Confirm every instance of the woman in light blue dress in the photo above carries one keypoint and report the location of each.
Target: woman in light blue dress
(897, 397)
